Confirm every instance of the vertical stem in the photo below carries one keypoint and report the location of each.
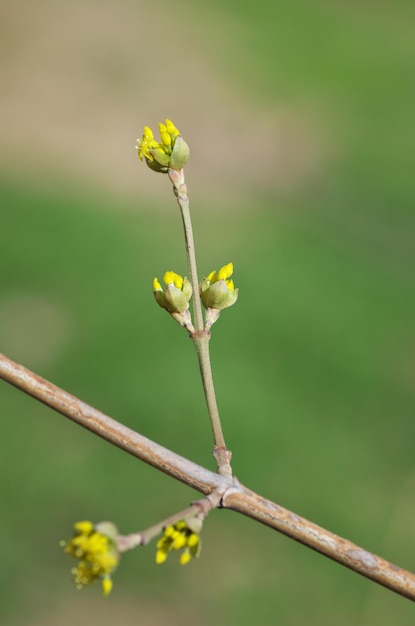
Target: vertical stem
(180, 191)
(201, 343)
(201, 336)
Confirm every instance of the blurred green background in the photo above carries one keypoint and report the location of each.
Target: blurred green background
(300, 119)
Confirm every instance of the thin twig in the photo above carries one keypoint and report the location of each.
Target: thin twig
(201, 337)
(180, 191)
(235, 496)
(198, 509)
(201, 342)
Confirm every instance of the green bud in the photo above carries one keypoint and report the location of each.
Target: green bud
(176, 294)
(218, 295)
(195, 524)
(180, 154)
(160, 161)
(175, 300)
(187, 288)
(108, 529)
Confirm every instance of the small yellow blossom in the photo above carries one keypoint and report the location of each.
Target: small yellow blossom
(217, 290)
(146, 144)
(171, 152)
(94, 546)
(181, 536)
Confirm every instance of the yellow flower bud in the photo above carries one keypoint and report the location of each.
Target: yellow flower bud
(170, 153)
(176, 295)
(217, 290)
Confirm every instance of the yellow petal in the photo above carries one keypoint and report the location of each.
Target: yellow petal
(84, 527)
(148, 134)
(225, 271)
(161, 556)
(106, 585)
(211, 277)
(185, 558)
(171, 129)
(173, 278)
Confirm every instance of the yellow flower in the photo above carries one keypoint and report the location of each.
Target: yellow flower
(217, 290)
(181, 536)
(171, 152)
(176, 295)
(146, 144)
(94, 546)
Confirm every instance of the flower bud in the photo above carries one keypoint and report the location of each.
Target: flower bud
(217, 290)
(175, 298)
(170, 153)
(160, 160)
(180, 154)
(176, 295)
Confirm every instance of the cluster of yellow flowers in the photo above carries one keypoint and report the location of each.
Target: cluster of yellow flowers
(171, 152)
(179, 537)
(95, 547)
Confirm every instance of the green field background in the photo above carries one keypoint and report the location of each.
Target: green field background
(300, 120)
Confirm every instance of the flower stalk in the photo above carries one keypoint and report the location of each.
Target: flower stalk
(169, 155)
(180, 191)
(201, 336)
(196, 511)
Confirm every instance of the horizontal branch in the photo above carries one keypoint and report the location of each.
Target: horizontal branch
(302, 530)
(121, 436)
(235, 496)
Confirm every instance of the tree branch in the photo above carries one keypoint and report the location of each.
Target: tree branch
(121, 436)
(235, 496)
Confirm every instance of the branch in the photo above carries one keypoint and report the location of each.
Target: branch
(235, 496)
(201, 337)
(121, 436)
